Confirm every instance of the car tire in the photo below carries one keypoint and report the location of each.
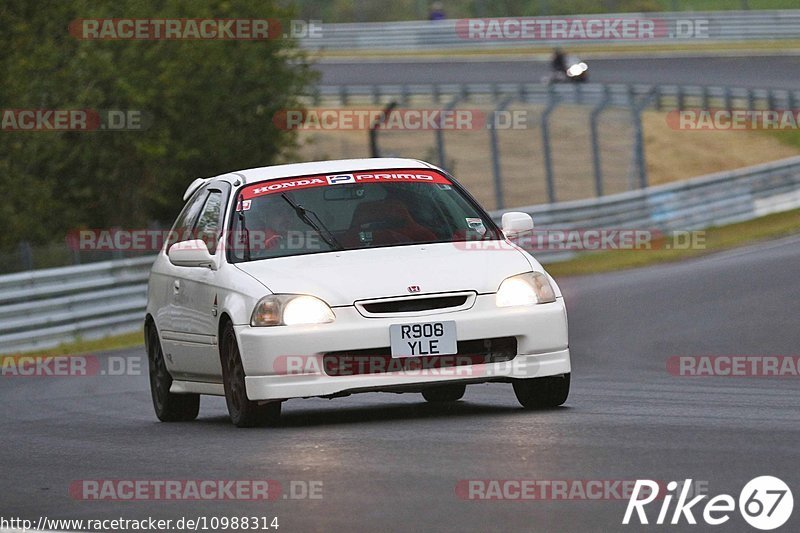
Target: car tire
(542, 393)
(244, 412)
(445, 393)
(169, 407)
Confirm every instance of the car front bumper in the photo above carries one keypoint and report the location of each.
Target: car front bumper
(287, 362)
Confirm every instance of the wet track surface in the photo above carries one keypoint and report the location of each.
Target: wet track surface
(392, 462)
(768, 72)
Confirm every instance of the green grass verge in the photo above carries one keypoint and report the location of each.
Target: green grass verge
(80, 347)
(788, 137)
(716, 239)
(585, 50)
(723, 5)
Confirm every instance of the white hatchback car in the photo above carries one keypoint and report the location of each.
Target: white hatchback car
(331, 278)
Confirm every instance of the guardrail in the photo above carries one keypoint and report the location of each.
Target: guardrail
(697, 203)
(595, 99)
(661, 97)
(44, 308)
(450, 34)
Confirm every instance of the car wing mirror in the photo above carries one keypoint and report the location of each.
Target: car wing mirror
(515, 223)
(192, 253)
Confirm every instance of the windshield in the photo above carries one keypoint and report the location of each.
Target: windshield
(296, 216)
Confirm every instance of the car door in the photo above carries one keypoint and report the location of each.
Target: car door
(192, 337)
(166, 278)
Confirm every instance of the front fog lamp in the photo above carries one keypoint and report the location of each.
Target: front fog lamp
(291, 310)
(525, 289)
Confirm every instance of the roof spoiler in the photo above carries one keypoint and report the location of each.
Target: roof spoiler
(196, 184)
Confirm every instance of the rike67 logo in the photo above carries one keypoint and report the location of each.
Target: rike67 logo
(765, 503)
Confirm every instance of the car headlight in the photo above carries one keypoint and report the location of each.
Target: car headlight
(530, 288)
(291, 310)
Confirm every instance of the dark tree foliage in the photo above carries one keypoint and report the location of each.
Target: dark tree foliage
(209, 105)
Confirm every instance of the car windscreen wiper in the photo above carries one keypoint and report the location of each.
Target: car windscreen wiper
(306, 214)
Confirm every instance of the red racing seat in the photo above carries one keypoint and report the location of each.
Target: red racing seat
(384, 223)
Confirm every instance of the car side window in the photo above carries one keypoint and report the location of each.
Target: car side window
(208, 224)
(182, 229)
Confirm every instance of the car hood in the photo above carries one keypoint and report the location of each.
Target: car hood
(341, 278)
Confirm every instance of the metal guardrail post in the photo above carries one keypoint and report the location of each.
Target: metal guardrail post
(659, 103)
(25, 255)
(495, 146)
(638, 137)
(375, 126)
(553, 101)
(593, 118)
(440, 131)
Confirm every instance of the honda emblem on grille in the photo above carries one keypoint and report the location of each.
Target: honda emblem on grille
(413, 288)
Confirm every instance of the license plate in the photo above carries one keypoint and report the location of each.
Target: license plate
(419, 340)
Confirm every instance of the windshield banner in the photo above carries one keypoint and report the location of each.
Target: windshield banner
(328, 180)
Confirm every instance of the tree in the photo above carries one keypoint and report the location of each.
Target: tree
(208, 107)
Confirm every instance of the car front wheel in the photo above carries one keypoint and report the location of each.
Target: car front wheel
(243, 412)
(541, 393)
(169, 407)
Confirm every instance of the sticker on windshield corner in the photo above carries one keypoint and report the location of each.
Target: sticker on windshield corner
(244, 205)
(444, 186)
(476, 224)
(340, 178)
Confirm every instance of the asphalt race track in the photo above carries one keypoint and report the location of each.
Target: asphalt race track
(392, 462)
(773, 72)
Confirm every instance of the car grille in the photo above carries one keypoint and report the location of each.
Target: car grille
(411, 305)
(380, 360)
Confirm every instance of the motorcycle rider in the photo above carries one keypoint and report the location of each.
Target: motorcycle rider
(559, 61)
